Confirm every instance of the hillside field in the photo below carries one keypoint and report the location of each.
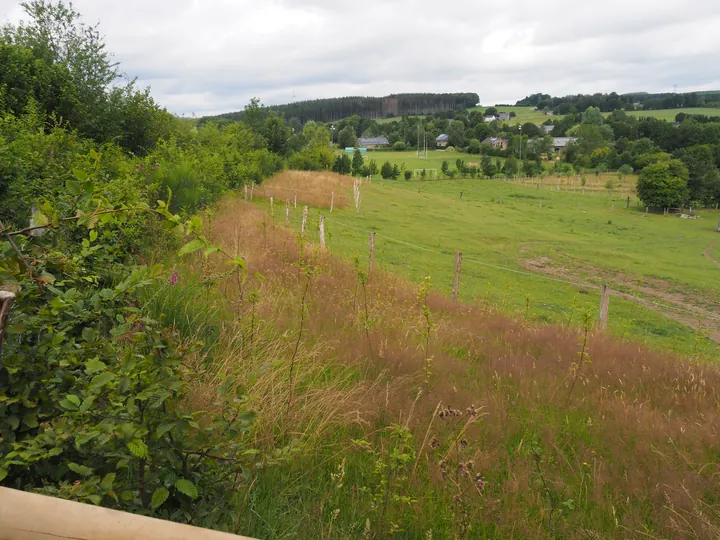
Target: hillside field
(587, 239)
(526, 114)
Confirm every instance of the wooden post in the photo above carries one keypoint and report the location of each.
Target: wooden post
(718, 224)
(25, 516)
(456, 281)
(461, 195)
(287, 212)
(628, 202)
(246, 193)
(304, 221)
(322, 232)
(295, 202)
(604, 306)
(372, 251)
(272, 209)
(252, 190)
(6, 301)
(332, 201)
(646, 210)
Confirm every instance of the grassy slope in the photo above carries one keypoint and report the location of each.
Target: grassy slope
(625, 452)
(588, 245)
(526, 114)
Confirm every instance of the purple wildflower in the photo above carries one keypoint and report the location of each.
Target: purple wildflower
(173, 279)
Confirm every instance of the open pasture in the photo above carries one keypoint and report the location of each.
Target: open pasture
(543, 253)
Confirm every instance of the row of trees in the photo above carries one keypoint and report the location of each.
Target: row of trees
(614, 102)
(329, 110)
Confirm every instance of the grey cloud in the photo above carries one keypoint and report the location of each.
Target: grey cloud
(209, 56)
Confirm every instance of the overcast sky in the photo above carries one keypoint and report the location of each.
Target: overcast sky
(211, 56)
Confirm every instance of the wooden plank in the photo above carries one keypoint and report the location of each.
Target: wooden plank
(28, 516)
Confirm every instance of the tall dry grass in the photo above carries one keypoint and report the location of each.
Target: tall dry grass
(312, 188)
(631, 452)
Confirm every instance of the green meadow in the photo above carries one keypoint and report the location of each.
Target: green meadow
(514, 237)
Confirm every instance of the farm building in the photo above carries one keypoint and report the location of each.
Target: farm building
(504, 116)
(489, 119)
(547, 129)
(372, 142)
(560, 143)
(442, 140)
(495, 142)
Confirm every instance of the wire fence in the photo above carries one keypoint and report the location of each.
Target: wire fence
(480, 280)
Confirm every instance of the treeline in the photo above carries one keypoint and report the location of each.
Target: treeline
(614, 102)
(330, 110)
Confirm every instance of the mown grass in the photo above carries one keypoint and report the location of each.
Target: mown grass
(591, 239)
(576, 434)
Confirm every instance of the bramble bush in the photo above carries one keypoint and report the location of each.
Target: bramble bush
(92, 389)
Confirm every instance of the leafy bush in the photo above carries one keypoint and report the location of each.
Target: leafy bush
(93, 390)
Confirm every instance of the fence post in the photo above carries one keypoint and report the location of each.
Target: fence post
(6, 302)
(332, 201)
(287, 212)
(252, 190)
(295, 201)
(246, 194)
(718, 223)
(272, 208)
(456, 281)
(372, 251)
(604, 306)
(322, 233)
(304, 221)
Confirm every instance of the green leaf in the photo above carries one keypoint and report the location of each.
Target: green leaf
(94, 365)
(82, 470)
(86, 404)
(107, 481)
(73, 188)
(186, 487)
(79, 175)
(88, 334)
(65, 403)
(163, 429)
(72, 398)
(3, 474)
(159, 497)
(191, 247)
(14, 422)
(102, 379)
(209, 251)
(40, 219)
(137, 448)
(93, 235)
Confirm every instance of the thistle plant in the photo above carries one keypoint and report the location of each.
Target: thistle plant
(456, 469)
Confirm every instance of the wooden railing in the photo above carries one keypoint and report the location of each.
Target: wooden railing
(28, 516)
